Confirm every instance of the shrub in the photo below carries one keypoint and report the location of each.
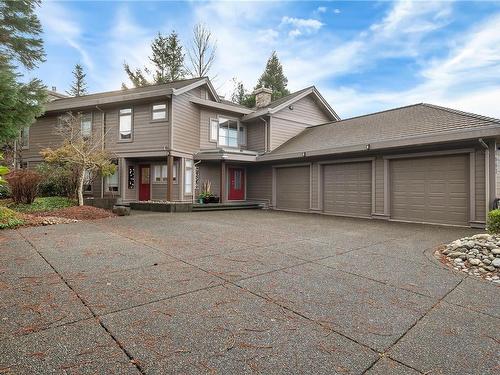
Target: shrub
(493, 222)
(9, 218)
(23, 185)
(57, 181)
(43, 204)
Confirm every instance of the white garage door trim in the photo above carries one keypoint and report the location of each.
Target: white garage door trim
(343, 161)
(472, 185)
(275, 167)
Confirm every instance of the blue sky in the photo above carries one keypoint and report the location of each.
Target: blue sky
(363, 56)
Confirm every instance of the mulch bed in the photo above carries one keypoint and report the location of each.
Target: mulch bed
(77, 213)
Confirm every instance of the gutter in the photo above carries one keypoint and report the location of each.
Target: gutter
(470, 134)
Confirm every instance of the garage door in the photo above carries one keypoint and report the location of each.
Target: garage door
(347, 189)
(292, 188)
(432, 190)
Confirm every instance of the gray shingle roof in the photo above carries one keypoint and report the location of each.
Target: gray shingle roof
(171, 85)
(395, 124)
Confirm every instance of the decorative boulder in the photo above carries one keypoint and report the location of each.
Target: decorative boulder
(121, 210)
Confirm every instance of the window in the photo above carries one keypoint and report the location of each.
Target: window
(214, 130)
(86, 124)
(160, 173)
(126, 124)
(87, 182)
(242, 141)
(25, 137)
(228, 132)
(111, 182)
(188, 177)
(159, 112)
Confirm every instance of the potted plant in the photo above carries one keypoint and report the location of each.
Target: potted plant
(206, 195)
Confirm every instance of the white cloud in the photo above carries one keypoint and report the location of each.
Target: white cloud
(304, 25)
(59, 27)
(336, 11)
(321, 9)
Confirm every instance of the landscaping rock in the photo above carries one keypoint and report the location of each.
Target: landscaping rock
(478, 255)
(121, 210)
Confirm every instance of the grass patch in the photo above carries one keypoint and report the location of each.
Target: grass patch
(43, 204)
(9, 219)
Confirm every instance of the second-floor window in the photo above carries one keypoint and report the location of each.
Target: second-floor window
(159, 111)
(227, 132)
(86, 124)
(125, 124)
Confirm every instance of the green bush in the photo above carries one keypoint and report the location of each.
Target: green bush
(9, 219)
(57, 181)
(43, 204)
(493, 223)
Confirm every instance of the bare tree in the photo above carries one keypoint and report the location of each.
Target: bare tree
(201, 53)
(81, 149)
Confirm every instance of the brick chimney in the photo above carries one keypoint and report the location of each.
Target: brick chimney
(262, 97)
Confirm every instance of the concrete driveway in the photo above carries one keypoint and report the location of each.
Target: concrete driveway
(240, 292)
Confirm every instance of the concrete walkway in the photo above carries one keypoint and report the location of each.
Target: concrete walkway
(241, 292)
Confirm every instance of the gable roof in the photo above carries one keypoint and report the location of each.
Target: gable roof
(285, 101)
(413, 124)
(116, 96)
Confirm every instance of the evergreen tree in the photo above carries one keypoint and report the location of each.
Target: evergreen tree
(20, 43)
(79, 86)
(239, 93)
(168, 63)
(274, 78)
(20, 31)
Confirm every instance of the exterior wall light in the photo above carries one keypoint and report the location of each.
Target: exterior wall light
(368, 146)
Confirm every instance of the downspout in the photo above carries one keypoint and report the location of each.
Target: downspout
(486, 174)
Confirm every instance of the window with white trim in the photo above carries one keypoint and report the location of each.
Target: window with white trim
(25, 137)
(125, 124)
(188, 177)
(214, 130)
(87, 182)
(111, 182)
(159, 111)
(242, 140)
(160, 173)
(86, 124)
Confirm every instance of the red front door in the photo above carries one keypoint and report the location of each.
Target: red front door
(236, 184)
(144, 183)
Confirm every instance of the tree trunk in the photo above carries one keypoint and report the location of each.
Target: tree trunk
(81, 179)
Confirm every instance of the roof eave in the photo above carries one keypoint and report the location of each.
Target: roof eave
(196, 84)
(226, 107)
(469, 134)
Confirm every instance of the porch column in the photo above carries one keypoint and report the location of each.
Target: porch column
(222, 181)
(170, 177)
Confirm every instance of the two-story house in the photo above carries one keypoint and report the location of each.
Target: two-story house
(420, 163)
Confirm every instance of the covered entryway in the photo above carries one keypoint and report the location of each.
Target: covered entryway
(430, 189)
(292, 188)
(347, 189)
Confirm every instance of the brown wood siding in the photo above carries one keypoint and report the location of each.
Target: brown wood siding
(292, 188)
(42, 134)
(260, 183)
(480, 186)
(287, 123)
(186, 122)
(147, 135)
(347, 189)
(204, 125)
(209, 172)
(379, 185)
(256, 136)
(431, 189)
